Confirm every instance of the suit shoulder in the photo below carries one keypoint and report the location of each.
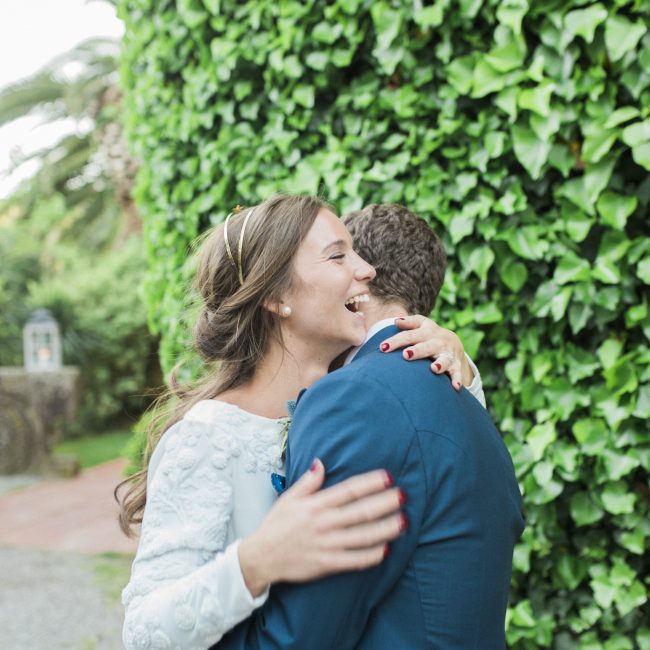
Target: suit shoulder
(352, 383)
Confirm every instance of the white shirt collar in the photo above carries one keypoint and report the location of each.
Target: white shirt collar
(378, 326)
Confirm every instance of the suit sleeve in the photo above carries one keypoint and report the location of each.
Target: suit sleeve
(353, 424)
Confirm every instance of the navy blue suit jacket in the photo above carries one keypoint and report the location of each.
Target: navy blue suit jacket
(445, 584)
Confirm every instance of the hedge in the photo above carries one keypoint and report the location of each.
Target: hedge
(521, 131)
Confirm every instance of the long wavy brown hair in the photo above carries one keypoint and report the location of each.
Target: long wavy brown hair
(233, 328)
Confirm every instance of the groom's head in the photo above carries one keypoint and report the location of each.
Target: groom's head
(408, 256)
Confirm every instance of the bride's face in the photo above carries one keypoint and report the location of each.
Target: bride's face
(327, 275)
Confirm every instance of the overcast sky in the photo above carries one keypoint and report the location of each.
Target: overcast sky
(32, 32)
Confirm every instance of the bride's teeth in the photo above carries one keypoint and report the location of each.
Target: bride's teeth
(357, 299)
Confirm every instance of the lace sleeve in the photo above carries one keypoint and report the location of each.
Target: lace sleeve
(185, 590)
(476, 387)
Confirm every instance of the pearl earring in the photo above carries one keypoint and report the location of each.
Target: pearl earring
(286, 311)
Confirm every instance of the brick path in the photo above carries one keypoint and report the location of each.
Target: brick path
(77, 514)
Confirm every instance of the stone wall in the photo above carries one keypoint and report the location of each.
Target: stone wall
(34, 410)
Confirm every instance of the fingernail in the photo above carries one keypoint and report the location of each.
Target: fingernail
(403, 522)
(401, 496)
(314, 465)
(437, 366)
(409, 354)
(400, 318)
(386, 551)
(388, 481)
(384, 346)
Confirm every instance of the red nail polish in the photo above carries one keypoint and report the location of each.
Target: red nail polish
(384, 346)
(401, 495)
(403, 522)
(409, 354)
(314, 465)
(388, 481)
(437, 366)
(400, 318)
(386, 551)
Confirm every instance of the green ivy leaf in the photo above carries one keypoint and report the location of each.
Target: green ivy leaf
(540, 437)
(642, 408)
(431, 16)
(636, 133)
(643, 270)
(583, 510)
(604, 591)
(641, 155)
(486, 80)
(304, 95)
(459, 74)
(388, 23)
(305, 178)
(598, 143)
(618, 464)
(621, 377)
(621, 115)
(460, 227)
(514, 274)
(610, 352)
(571, 269)
(622, 35)
(631, 598)
(506, 57)
(480, 261)
(537, 99)
(584, 192)
(526, 242)
(615, 209)
(213, 6)
(487, 313)
(617, 499)
(583, 22)
(561, 159)
(633, 541)
(591, 433)
(192, 12)
(531, 152)
(511, 13)
(494, 142)
(572, 570)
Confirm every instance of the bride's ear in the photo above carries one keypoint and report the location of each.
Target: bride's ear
(278, 307)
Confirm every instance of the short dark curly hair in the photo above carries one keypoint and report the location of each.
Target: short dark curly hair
(409, 257)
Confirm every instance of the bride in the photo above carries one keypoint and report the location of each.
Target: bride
(214, 535)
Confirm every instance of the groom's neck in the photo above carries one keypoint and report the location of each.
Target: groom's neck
(377, 309)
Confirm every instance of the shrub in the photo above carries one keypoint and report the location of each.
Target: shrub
(522, 131)
(102, 317)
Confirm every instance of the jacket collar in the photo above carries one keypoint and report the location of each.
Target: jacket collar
(372, 344)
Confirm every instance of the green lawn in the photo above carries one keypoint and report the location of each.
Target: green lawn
(93, 450)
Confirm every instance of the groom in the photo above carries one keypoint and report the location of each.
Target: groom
(444, 585)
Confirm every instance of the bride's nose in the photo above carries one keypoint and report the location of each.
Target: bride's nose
(364, 271)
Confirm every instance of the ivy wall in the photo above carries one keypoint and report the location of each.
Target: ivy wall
(520, 130)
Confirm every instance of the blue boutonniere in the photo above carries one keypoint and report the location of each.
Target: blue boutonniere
(278, 481)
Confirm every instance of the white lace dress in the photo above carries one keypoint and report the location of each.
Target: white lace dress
(209, 485)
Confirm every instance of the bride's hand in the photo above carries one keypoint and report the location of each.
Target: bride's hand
(310, 533)
(422, 338)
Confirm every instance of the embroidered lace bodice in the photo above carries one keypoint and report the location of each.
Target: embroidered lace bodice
(208, 486)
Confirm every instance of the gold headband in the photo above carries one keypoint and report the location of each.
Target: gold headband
(239, 265)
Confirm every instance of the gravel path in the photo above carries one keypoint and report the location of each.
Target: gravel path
(54, 600)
